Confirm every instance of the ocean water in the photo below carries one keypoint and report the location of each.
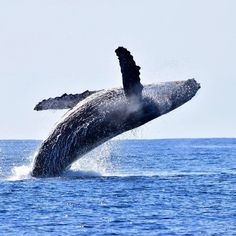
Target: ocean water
(125, 187)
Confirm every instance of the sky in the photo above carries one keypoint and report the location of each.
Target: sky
(51, 47)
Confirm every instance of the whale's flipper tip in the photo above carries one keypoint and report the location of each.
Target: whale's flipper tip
(130, 74)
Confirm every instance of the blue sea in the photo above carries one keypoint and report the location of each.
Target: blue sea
(125, 187)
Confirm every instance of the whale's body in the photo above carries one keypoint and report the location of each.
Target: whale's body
(102, 116)
(97, 116)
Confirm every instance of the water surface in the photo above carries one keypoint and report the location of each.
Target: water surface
(135, 187)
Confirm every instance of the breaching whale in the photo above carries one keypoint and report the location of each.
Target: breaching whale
(97, 116)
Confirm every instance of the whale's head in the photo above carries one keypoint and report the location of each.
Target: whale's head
(165, 97)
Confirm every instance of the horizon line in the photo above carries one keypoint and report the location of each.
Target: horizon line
(120, 139)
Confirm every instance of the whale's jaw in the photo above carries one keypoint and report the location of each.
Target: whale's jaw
(103, 116)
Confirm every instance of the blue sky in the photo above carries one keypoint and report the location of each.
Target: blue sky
(51, 47)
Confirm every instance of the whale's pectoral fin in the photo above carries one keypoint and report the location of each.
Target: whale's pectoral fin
(66, 101)
(130, 74)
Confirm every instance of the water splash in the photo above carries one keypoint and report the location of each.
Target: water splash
(23, 171)
(20, 172)
(96, 163)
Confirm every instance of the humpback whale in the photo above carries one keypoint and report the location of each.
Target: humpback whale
(97, 116)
